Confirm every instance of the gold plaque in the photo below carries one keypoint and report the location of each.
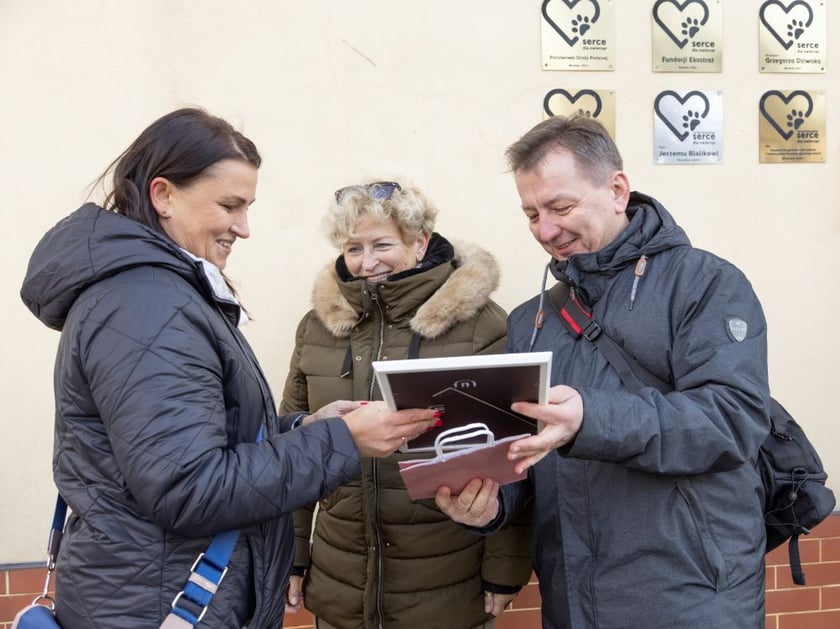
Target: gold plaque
(687, 36)
(578, 34)
(791, 127)
(598, 104)
(792, 36)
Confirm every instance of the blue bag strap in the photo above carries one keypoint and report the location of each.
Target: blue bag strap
(53, 544)
(190, 604)
(56, 531)
(206, 574)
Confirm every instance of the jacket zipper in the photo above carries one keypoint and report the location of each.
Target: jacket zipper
(375, 471)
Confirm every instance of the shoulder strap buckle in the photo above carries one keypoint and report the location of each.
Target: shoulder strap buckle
(592, 330)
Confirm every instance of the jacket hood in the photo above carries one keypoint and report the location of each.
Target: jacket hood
(85, 247)
(651, 230)
(465, 291)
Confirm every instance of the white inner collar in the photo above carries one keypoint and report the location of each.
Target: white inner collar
(219, 285)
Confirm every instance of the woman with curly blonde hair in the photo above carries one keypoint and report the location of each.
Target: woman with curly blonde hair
(397, 290)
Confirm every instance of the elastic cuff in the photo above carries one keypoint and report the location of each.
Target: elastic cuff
(500, 589)
(297, 422)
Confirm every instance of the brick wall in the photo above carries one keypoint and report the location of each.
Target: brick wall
(817, 604)
(789, 606)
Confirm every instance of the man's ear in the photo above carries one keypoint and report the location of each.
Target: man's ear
(621, 190)
(160, 194)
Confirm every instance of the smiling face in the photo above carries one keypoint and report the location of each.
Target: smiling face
(206, 216)
(375, 249)
(567, 213)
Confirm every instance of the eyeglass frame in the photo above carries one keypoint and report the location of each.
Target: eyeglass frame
(375, 191)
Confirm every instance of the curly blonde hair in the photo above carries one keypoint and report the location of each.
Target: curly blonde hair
(407, 206)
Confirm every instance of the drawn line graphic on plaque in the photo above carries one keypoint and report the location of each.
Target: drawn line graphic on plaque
(591, 112)
(686, 116)
(689, 21)
(786, 23)
(794, 113)
(578, 20)
(482, 404)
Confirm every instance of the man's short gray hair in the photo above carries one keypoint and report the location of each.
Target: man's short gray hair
(594, 150)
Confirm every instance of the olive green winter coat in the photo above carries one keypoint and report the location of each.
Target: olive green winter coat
(378, 558)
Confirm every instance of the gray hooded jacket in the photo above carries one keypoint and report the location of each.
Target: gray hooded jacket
(652, 516)
(159, 401)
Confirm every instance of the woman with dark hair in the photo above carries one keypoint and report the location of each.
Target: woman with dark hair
(165, 432)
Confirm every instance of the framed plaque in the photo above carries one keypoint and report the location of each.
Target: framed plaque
(687, 36)
(597, 104)
(467, 389)
(792, 36)
(791, 127)
(688, 127)
(578, 35)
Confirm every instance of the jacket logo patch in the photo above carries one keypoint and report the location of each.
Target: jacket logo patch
(736, 328)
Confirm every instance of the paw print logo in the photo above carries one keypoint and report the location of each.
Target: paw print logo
(584, 112)
(580, 25)
(690, 27)
(795, 29)
(691, 120)
(795, 119)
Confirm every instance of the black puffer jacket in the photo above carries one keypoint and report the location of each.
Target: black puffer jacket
(159, 401)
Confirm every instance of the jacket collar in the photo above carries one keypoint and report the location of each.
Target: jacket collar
(436, 299)
(651, 230)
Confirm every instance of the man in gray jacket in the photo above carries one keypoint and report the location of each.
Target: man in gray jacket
(647, 505)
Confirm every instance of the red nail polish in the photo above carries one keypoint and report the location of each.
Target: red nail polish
(362, 403)
(437, 414)
(438, 423)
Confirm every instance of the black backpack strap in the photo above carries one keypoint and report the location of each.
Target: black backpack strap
(414, 346)
(635, 376)
(347, 365)
(580, 323)
(796, 570)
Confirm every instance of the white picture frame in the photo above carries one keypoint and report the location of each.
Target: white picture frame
(467, 389)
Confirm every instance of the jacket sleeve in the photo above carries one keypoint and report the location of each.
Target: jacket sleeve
(296, 399)
(717, 417)
(152, 361)
(506, 563)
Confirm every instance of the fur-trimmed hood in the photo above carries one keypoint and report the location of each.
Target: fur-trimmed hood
(473, 277)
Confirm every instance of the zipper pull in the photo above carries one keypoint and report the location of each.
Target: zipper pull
(641, 266)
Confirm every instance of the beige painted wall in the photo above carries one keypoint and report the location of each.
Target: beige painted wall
(333, 91)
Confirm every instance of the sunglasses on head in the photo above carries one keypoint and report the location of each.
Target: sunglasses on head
(377, 191)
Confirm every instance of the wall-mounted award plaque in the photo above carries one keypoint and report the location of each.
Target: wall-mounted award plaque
(578, 34)
(791, 36)
(687, 36)
(791, 127)
(598, 104)
(688, 127)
